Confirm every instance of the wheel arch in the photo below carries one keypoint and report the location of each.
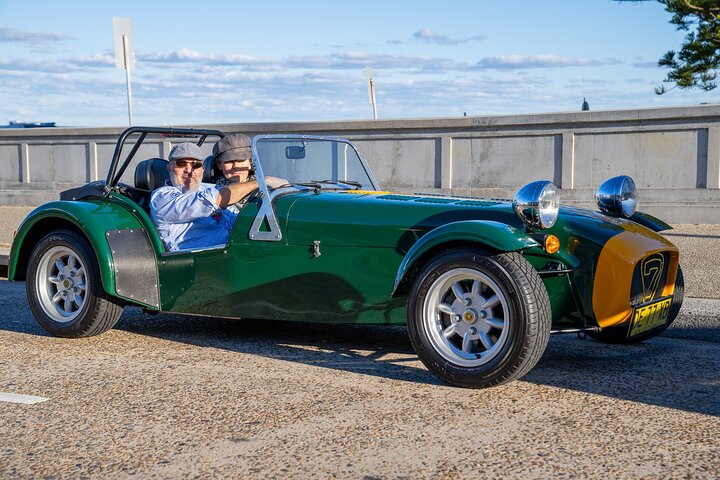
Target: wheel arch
(79, 217)
(493, 237)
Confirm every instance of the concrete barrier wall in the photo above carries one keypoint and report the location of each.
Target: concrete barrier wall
(672, 153)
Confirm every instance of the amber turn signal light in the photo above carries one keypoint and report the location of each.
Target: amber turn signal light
(552, 244)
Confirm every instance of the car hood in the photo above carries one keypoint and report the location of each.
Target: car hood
(382, 219)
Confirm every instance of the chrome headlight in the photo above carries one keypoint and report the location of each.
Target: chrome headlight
(537, 204)
(617, 197)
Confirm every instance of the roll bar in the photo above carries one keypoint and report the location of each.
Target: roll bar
(114, 174)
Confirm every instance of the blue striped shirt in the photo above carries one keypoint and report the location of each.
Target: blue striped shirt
(192, 219)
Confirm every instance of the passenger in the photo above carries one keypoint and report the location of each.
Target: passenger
(190, 214)
(233, 157)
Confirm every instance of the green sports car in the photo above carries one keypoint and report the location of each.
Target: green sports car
(480, 283)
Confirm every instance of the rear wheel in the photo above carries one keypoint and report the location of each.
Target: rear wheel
(478, 320)
(619, 334)
(64, 290)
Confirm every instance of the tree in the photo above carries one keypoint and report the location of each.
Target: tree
(696, 64)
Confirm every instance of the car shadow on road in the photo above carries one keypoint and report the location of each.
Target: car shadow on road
(659, 372)
(665, 372)
(382, 351)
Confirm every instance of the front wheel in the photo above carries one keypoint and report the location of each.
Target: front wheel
(479, 320)
(64, 290)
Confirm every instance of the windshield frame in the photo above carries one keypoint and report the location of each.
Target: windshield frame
(266, 211)
(257, 161)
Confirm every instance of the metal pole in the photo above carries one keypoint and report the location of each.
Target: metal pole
(372, 98)
(127, 76)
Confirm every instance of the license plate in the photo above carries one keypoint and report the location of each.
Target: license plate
(649, 317)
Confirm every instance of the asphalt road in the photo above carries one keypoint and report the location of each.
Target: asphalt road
(166, 396)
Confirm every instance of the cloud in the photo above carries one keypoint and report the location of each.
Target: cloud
(13, 35)
(185, 86)
(642, 64)
(353, 60)
(335, 61)
(429, 36)
(184, 55)
(100, 60)
(66, 65)
(514, 62)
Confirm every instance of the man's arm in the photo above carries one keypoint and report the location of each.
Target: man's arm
(232, 193)
(170, 205)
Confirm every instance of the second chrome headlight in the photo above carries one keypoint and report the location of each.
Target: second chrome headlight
(537, 204)
(617, 197)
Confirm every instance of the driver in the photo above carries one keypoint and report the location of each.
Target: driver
(190, 214)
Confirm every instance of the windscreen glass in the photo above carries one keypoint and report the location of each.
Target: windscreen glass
(312, 160)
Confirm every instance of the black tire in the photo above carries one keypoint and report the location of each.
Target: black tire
(618, 335)
(69, 302)
(515, 331)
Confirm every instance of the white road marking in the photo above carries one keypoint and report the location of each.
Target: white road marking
(17, 398)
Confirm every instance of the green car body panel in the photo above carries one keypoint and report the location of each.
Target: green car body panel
(364, 240)
(368, 247)
(91, 217)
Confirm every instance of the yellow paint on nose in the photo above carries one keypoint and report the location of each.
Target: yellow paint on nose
(614, 273)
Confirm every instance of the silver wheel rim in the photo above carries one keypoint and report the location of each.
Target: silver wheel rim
(61, 283)
(466, 317)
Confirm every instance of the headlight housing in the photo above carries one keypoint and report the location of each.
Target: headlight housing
(617, 197)
(537, 204)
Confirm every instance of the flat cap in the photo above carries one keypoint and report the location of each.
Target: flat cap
(186, 150)
(233, 147)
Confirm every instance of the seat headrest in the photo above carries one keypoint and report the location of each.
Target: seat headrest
(211, 174)
(151, 174)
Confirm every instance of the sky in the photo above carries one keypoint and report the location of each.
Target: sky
(199, 63)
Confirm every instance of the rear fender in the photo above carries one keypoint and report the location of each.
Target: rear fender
(96, 221)
(495, 236)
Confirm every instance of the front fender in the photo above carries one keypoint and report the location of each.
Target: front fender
(92, 218)
(495, 235)
(648, 221)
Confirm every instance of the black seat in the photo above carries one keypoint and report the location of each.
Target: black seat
(211, 173)
(151, 174)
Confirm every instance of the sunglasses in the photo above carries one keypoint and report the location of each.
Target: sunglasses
(183, 164)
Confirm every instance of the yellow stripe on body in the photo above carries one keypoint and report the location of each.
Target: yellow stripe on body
(366, 192)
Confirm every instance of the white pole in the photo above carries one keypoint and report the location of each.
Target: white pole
(126, 59)
(371, 91)
(372, 98)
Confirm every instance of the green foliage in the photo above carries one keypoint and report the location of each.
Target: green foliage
(695, 65)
